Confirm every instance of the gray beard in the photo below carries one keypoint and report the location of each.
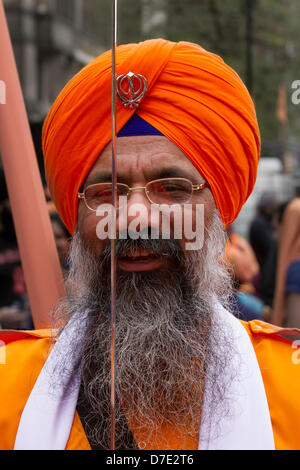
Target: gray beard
(165, 337)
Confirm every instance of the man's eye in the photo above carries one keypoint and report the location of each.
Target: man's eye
(171, 187)
(174, 188)
(104, 193)
(101, 194)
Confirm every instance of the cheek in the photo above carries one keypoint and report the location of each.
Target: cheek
(209, 208)
(197, 217)
(193, 220)
(87, 225)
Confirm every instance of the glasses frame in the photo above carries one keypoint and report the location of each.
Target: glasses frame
(194, 187)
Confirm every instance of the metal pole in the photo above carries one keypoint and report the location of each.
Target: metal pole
(113, 241)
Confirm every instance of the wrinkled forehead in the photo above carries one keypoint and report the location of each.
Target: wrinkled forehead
(143, 158)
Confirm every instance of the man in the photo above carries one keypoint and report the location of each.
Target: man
(187, 374)
(262, 232)
(286, 292)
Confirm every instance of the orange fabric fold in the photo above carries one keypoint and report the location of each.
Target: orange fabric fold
(278, 358)
(193, 98)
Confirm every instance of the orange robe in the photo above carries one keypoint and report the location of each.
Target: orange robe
(24, 354)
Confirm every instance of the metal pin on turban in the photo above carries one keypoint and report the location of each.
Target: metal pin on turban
(137, 88)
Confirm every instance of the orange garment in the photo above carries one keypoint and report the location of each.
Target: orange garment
(196, 100)
(279, 363)
(242, 258)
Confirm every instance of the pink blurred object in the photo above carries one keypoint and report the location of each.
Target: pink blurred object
(42, 271)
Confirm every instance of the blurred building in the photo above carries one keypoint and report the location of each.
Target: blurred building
(53, 39)
(49, 46)
(270, 177)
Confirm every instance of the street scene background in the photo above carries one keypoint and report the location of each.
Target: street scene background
(260, 39)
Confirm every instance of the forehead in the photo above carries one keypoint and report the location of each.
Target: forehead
(145, 157)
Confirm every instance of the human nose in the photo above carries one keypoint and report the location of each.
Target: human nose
(136, 214)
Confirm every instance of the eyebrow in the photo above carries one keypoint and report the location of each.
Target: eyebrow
(172, 172)
(99, 177)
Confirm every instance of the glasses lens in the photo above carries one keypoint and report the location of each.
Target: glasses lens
(170, 191)
(101, 193)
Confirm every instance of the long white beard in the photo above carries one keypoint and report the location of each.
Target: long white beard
(164, 339)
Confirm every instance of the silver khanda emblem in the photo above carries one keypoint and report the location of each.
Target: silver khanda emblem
(131, 89)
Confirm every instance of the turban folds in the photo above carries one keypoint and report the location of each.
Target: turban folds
(193, 98)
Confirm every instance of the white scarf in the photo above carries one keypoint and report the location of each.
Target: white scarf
(47, 418)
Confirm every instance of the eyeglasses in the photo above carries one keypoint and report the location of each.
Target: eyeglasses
(163, 191)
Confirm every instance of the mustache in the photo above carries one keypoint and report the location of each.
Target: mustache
(149, 239)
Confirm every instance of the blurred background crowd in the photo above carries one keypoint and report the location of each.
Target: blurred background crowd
(260, 39)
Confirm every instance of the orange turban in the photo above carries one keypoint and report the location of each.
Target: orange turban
(193, 98)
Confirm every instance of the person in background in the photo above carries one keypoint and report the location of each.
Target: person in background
(245, 273)
(292, 293)
(267, 281)
(285, 305)
(62, 239)
(243, 260)
(263, 237)
(262, 230)
(14, 306)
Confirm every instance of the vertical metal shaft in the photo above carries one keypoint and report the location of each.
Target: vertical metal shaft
(113, 241)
